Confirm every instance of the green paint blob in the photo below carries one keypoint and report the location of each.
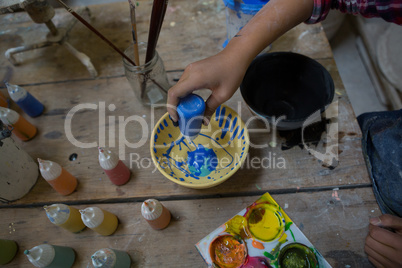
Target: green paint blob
(297, 256)
(269, 255)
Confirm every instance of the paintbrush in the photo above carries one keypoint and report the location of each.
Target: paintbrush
(157, 16)
(89, 26)
(134, 32)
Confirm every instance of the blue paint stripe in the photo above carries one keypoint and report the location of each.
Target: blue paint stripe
(226, 128)
(234, 124)
(241, 133)
(217, 113)
(165, 122)
(222, 116)
(235, 133)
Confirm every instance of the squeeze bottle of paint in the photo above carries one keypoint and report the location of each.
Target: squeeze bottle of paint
(46, 255)
(114, 168)
(99, 220)
(59, 178)
(65, 216)
(22, 128)
(191, 111)
(8, 250)
(110, 258)
(155, 214)
(28, 103)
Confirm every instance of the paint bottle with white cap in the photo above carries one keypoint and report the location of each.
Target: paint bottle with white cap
(191, 112)
(60, 179)
(65, 216)
(46, 255)
(99, 220)
(22, 128)
(25, 100)
(110, 258)
(114, 168)
(156, 214)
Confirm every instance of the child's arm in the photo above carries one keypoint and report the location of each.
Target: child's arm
(223, 73)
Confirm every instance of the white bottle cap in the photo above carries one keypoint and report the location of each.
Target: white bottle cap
(8, 116)
(151, 209)
(41, 256)
(92, 216)
(16, 92)
(57, 213)
(105, 258)
(107, 159)
(49, 169)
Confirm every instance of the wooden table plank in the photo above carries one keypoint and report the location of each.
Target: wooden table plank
(336, 226)
(303, 171)
(192, 30)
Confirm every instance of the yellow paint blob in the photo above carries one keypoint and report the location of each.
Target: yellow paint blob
(237, 226)
(265, 223)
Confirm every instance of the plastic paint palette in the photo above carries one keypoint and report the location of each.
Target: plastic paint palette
(215, 155)
(261, 235)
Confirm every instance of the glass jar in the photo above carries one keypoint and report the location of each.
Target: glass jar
(149, 80)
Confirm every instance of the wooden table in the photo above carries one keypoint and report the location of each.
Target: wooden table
(331, 206)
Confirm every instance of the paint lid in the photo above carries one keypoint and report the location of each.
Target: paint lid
(151, 209)
(191, 112)
(49, 169)
(57, 213)
(107, 159)
(41, 256)
(16, 93)
(8, 116)
(105, 258)
(92, 216)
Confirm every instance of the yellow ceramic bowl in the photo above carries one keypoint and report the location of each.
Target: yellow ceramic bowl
(225, 138)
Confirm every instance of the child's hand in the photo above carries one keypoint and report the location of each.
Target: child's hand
(384, 247)
(219, 73)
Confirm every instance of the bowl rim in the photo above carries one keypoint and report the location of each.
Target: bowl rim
(212, 183)
(331, 94)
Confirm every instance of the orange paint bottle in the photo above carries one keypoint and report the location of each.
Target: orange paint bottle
(22, 128)
(155, 214)
(59, 178)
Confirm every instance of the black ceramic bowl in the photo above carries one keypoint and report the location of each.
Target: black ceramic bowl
(289, 84)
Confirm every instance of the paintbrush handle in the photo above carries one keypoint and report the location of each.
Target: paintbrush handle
(89, 26)
(157, 16)
(134, 31)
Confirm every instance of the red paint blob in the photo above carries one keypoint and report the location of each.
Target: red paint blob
(256, 262)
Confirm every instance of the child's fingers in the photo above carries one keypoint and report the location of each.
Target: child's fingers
(389, 221)
(375, 262)
(381, 245)
(384, 236)
(211, 104)
(379, 259)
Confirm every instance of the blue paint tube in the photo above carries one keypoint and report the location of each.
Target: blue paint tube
(28, 103)
(191, 112)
